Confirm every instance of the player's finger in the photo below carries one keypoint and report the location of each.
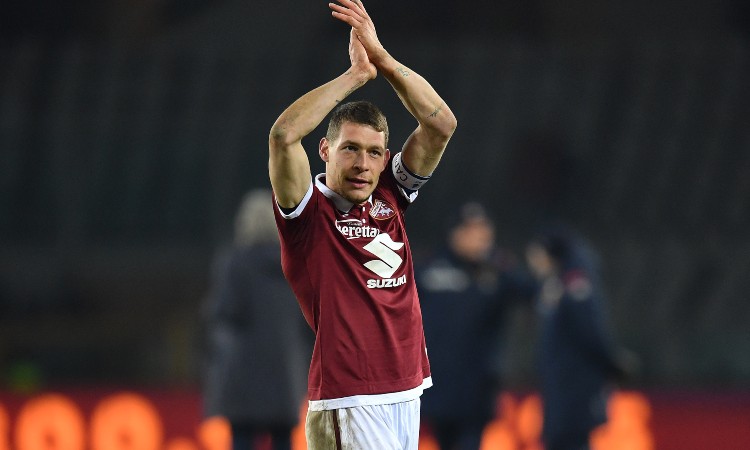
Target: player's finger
(354, 5)
(344, 11)
(346, 19)
(344, 14)
(362, 7)
(348, 9)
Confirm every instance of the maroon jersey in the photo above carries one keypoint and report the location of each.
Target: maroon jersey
(351, 269)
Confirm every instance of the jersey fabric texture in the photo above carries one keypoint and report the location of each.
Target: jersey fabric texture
(350, 267)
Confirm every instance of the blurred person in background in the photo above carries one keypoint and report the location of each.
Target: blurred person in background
(466, 291)
(578, 360)
(258, 345)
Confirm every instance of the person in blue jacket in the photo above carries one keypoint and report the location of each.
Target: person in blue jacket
(465, 292)
(578, 360)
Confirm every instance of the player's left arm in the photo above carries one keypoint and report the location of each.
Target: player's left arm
(425, 146)
(436, 122)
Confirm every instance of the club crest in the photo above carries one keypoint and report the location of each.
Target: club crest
(381, 210)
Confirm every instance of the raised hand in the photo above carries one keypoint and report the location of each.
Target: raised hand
(359, 58)
(353, 13)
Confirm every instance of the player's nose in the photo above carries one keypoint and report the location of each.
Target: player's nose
(361, 162)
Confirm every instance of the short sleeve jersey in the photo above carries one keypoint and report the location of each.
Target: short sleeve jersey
(350, 267)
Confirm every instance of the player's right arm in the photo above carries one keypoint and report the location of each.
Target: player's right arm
(288, 165)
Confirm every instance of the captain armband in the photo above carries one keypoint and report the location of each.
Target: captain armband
(407, 179)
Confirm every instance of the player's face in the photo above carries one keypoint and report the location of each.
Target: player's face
(354, 161)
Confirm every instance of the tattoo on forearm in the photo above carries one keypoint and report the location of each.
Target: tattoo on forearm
(437, 111)
(349, 92)
(403, 72)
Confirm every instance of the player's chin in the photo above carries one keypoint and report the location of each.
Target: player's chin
(358, 196)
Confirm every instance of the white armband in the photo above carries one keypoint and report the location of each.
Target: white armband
(406, 178)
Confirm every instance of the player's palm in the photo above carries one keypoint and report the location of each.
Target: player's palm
(358, 56)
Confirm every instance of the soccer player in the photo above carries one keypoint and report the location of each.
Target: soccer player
(344, 245)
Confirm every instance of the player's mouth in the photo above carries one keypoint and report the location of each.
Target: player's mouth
(358, 183)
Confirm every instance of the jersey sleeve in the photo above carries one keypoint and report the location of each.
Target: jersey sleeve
(291, 224)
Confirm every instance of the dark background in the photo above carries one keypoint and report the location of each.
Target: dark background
(130, 129)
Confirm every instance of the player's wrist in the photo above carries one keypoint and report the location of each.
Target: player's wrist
(381, 59)
(363, 72)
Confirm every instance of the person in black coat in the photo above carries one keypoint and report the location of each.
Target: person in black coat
(577, 358)
(258, 345)
(465, 293)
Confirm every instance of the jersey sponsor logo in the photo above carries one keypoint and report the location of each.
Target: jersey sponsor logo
(386, 282)
(382, 210)
(380, 245)
(353, 229)
(384, 248)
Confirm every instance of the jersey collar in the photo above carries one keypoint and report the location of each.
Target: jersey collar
(341, 203)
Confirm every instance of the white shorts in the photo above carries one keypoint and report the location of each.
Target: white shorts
(369, 427)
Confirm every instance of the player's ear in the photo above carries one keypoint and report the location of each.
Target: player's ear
(387, 157)
(323, 149)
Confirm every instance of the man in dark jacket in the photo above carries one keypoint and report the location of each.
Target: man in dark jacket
(577, 358)
(465, 293)
(258, 345)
